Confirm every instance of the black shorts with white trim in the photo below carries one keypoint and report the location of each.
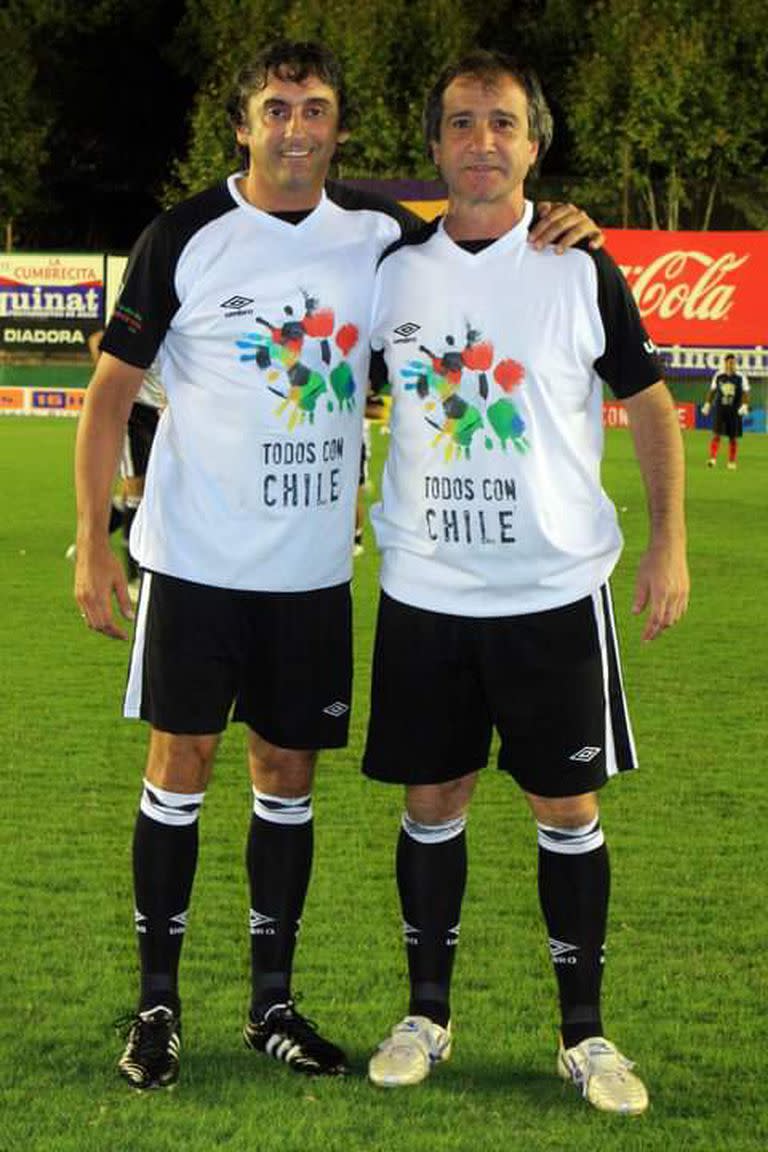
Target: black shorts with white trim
(280, 662)
(139, 438)
(548, 682)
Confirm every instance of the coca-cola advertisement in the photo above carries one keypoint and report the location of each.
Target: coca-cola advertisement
(697, 288)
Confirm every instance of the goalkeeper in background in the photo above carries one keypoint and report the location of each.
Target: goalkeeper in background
(728, 395)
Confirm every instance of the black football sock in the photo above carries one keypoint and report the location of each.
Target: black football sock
(574, 886)
(116, 512)
(279, 863)
(431, 877)
(164, 860)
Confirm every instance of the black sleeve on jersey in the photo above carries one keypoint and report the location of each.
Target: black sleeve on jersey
(629, 364)
(378, 376)
(147, 301)
(418, 235)
(357, 198)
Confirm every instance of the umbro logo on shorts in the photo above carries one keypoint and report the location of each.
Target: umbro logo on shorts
(584, 755)
(336, 709)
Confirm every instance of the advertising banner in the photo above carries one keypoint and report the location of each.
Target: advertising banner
(12, 400)
(56, 401)
(697, 288)
(49, 302)
(115, 271)
(615, 414)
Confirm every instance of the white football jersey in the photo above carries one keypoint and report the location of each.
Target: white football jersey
(491, 500)
(261, 329)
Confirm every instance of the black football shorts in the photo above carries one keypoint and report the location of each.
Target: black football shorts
(548, 682)
(139, 437)
(280, 662)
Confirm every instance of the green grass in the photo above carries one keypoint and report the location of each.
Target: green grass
(685, 980)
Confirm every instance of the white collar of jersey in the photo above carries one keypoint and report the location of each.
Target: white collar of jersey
(275, 221)
(515, 238)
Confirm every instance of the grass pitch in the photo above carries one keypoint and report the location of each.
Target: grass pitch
(685, 978)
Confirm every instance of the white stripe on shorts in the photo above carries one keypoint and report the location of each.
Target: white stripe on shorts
(606, 631)
(132, 698)
(614, 639)
(127, 469)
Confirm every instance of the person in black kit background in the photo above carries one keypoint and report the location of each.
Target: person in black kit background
(728, 394)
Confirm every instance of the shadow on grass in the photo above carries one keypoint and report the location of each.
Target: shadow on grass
(211, 1072)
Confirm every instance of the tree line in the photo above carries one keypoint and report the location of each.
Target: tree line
(112, 108)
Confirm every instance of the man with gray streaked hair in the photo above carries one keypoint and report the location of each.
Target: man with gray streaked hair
(486, 67)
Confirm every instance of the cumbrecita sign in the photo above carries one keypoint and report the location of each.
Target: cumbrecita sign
(50, 301)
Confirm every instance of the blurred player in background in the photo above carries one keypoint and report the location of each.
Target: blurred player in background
(728, 395)
(376, 416)
(363, 487)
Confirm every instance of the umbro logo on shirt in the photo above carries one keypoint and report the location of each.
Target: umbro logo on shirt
(406, 332)
(236, 302)
(237, 306)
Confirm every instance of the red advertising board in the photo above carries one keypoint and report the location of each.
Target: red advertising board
(615, 415)
(697, 288)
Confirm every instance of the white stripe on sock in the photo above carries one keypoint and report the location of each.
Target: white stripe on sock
(438, 833)
(282, 809)
(571, 841)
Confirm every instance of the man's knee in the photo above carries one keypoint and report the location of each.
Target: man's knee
(180, 763)
(436, 803)
(564, 811)
(276, 771)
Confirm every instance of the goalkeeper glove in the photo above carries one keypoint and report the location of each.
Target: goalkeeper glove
(743, 410)
(705, 408)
